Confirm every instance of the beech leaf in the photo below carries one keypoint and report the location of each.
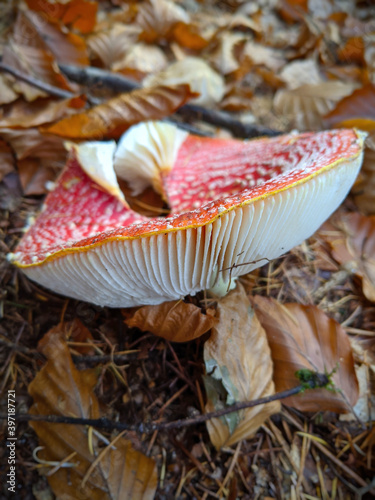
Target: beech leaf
(176, 321)
(304, 337)
(355, 248)
(60, 389)
(239, 368)
(355, 110)
(111, 119)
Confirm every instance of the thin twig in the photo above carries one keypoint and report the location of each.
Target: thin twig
(99, 77)
(46, 87)
(104, 423)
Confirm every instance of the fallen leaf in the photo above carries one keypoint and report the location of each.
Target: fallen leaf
(111, 46)
(239, 368)
(176, 321)
(157, 18)
(38, 158)
(306, 105)
(189, 36)
(111, 119)
(7, 161)
(195, 72)
(76, 332)
(7, 94)
(67, 47)
(223, 58)
(78, 14)
(96, 473)
(355, 248)
(23, 114)
(142, 58)
(304, 337)
(355, 110)
(364, 189)
(27, 52)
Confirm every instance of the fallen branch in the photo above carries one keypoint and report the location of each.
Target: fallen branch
(318, 380)
(89, 76)
(66, 94)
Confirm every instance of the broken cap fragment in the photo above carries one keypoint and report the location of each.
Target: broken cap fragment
(234, 205)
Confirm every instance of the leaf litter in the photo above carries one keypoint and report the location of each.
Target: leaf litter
(253, 47)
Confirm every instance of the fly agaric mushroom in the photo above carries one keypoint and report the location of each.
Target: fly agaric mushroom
(234, 206)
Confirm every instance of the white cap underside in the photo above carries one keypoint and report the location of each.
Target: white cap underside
(151, 270)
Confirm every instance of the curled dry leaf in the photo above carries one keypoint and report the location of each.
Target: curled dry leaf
(112, 45)
(355, 110)
(157, 18)
(6, 160)
(304, 337)
(28, 52)
(77, 14)
(354, 248)
(60, 389)
(43, 110)
(7, 94)
(67, 47)
(239, 368)
(142, 58)
(307, 97)
(364, 188)
(195, 72)
(176, 321)
(111, 119)
(38, 157)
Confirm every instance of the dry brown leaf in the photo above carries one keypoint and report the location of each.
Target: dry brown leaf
(76, 334)
(68, 48)
(197, 74)
(305, 106)
(157, 18)
(78, 14)
(111, 119)
(355, 110)
(39, 158)
(142, 58)
(112, 45)
(304, 337)
(7, 94)
(261, 55)
(223, 58)
(7, 161)
(355, 248)
(239, 368)
(60, 389)
(364, 188)
(176, 321)
(27, 52)
(23, 114)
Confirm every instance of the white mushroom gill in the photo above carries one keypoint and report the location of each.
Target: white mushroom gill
(167, 266)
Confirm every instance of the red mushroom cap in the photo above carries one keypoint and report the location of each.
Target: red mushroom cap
(234, 205)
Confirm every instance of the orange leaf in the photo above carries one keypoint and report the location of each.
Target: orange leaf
(355, 249)
(111, 119)
(97, 473)
(304, 337)
(355, 110)
(176, 320)
(79, 14)
(187, 36)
